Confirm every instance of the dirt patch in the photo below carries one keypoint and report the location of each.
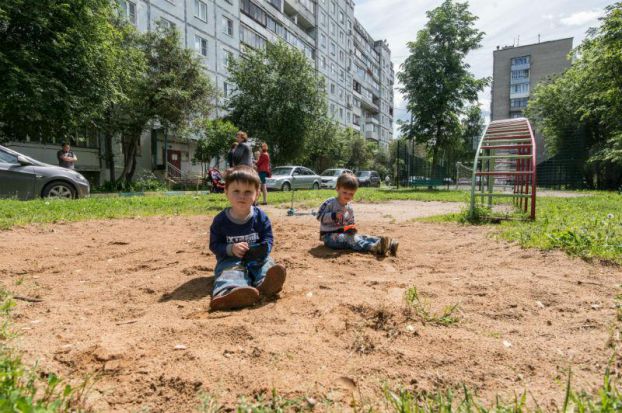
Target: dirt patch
(128, 299)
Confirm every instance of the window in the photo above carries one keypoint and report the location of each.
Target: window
(200, 10)
(324, 19)
(333, 48)
(166, 23)
(323, 62)
(225, 89)
(227, 56)
(520, 74)
(520, 88)
(332, 88)
(227, 25)
(253, 11)
(342, 56)
(200, 44)
(332, 28)
(128, 10)
(523, 60)
(7, 158)
(518, 103)
(341, 113)
(341, 36)
(276, 3)
(333, 9)
(332, 68)
(323, 40)
(332, 109)
(341, 17)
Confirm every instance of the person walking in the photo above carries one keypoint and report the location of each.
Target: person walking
(230, 155)
(264, 170)
(242, 154)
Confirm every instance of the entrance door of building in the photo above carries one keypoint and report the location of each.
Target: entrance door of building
(174, 159)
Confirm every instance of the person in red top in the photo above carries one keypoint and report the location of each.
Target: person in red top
(263, 168)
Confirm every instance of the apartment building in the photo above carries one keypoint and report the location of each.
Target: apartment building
(516, 72)
(357, 69)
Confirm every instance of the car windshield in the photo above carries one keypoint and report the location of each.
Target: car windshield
(362, 173)
(282, 171)
(332, 172)
(28, 158)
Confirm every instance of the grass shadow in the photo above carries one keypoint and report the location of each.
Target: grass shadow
(195, 289)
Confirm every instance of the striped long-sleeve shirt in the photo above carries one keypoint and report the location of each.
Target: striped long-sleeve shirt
(334, 217)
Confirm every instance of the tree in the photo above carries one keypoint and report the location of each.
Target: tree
(279, 98)
(436, 80)
(216, 139)
(360, 150)
(174, 91)
(578, 112)
(57, 65)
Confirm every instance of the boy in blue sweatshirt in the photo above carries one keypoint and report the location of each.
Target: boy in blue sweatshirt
(337, 227)
(241, 238)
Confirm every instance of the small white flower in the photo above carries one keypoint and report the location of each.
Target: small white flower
(609, 216)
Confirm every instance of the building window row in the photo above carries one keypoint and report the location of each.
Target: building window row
(519, 88)
(200, 10)
(520, 74)
(251, 38)
(253, 11)
(523, 60)
(518, 103)
(128, 10)
(288, 36)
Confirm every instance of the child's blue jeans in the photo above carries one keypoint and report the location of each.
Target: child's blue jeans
(235, 272)
(345, 241)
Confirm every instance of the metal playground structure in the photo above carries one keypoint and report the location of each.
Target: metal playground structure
(506, 158)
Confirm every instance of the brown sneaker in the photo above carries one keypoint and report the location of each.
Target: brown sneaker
(235, 298)
(393, 247)
(383, 246)
(272, 284)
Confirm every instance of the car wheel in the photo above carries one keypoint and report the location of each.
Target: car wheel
(316, 186)
(286, 187)
(60, 190)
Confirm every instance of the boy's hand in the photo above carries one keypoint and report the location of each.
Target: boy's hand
(239, 249)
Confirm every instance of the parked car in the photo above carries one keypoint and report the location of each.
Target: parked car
(285, 178)
(368, 178)
(329, 177)
(23, 177)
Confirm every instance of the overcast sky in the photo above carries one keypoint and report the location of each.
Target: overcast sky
(505, 22)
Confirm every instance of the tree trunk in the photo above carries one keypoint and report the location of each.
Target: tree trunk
(130, 145)
(109, 155)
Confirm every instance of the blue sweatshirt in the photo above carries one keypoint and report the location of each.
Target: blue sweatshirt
(226, 231)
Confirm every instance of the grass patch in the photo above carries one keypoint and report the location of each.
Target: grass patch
(587, 227)
(14, 212)
(422, 310)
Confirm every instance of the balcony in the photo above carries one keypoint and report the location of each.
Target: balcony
(301, 11)
(372, 135)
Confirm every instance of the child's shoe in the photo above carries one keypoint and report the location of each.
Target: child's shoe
(237, 297)
(393, 247)
(383, 246)
(272, 283)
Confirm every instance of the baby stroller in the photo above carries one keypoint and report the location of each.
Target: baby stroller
(216, 181)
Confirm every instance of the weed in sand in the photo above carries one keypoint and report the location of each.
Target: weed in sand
(24, 389)
(422, 310)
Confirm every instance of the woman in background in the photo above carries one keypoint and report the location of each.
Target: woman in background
(264, 170)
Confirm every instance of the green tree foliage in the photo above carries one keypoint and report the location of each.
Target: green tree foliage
(279, 99)
(216, 139)
(578, 112)
(57, 65)
(436, 80)
(175, 91)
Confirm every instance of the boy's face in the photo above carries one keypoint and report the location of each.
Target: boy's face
(241, 196)
(345, 195)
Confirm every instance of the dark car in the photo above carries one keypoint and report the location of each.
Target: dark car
(368, 178)
(24, 178)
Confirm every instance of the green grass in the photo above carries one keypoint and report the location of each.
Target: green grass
(589, 227)
(14, 212)
(421, 309)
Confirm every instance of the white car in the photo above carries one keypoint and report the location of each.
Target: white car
(286, 178)
(329, 177)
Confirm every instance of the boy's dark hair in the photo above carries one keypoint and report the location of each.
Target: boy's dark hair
(242, 173)
(348, 181)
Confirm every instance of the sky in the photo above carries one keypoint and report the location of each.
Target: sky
(505, 22)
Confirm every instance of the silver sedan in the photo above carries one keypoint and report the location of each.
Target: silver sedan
(286, 178)
(22, 177)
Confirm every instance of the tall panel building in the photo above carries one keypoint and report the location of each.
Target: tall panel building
(358, 70)
(516, 72)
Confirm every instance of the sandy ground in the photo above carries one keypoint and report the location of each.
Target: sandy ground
(127, 300)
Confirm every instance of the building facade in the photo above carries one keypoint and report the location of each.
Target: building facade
(516, 72)
(357, 69)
